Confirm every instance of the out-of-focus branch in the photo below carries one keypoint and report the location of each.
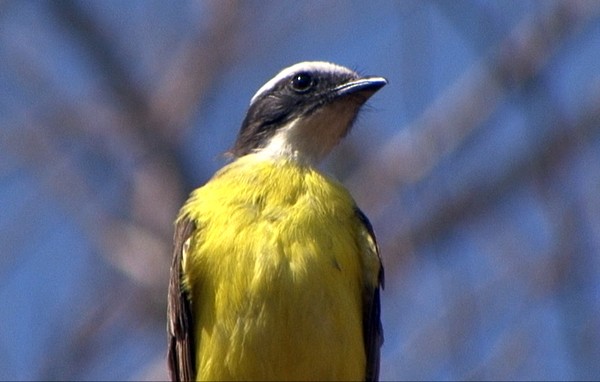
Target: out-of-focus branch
(108, 315)
(74, 345)
(198, 65)
(409, 156)
(83, 26)
(136, 124)
(154, 120)
(38, 143)
(548, 154)
(189, 74)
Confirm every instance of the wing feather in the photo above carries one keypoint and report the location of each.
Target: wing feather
(372, 328)
(180, 331)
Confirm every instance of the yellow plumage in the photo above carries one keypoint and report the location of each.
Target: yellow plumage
(276, 271)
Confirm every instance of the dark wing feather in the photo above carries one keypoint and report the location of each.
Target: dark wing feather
(180, 328)
(372, 329)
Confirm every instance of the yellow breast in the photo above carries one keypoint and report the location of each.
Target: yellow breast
(275, 275)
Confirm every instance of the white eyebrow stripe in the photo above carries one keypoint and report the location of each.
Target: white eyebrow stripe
(309, 66)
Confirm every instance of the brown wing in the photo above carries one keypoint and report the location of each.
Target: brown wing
(372, 329)
(181, 353)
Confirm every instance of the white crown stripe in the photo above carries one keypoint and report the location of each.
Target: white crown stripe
(308, 66)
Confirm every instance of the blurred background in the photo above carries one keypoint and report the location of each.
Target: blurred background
(478, 165)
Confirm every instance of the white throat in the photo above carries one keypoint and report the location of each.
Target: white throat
(309, 139)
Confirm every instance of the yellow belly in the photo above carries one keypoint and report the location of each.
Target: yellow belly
(274, 274)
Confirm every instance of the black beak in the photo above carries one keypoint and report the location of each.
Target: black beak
(366, 86)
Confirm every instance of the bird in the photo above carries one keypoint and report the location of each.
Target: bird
(276, 272)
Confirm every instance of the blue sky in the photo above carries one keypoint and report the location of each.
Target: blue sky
(481, 184)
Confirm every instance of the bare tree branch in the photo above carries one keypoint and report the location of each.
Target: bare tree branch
(546, 155)
(410, 155)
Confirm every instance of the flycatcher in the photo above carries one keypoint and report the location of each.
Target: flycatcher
(276, 271)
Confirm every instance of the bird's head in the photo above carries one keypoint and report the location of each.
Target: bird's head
(304, 111)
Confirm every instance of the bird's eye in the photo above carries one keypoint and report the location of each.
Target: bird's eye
(302, 82)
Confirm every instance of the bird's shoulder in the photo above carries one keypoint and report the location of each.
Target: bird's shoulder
(255, 181)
